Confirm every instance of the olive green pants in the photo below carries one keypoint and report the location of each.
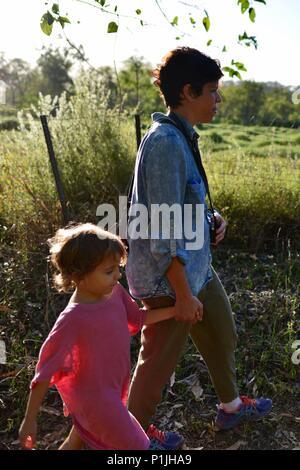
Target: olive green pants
(162, 344)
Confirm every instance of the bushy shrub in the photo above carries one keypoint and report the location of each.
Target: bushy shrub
(95, 150)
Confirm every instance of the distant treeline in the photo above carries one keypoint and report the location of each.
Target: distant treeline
(263, 103)
(244, 102)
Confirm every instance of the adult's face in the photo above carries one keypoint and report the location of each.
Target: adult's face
(204, 107)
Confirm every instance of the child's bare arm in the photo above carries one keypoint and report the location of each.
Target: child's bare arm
(28, 428)
(159, 314)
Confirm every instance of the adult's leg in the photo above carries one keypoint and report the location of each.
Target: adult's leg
(162, 345)
(215, 339)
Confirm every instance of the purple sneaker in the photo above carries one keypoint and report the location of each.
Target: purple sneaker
(250, 409)
(167, 439)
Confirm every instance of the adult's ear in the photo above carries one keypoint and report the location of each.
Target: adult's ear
(187, 92)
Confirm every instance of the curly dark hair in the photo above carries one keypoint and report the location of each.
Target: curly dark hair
(181, 66)
(76, 250)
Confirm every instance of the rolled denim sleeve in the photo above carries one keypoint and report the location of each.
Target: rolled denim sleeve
(165, 173)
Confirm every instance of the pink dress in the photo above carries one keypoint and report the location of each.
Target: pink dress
(87, 357)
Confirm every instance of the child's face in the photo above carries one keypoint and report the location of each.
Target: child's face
(102, 280)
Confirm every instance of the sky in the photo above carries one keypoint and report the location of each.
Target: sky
(276, 29)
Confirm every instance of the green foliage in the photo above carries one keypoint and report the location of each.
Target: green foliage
(174, 22)
(206, 22)
(47, 21)
(24, 83)
(235, 72)
(55, 67)
(139, 94)
(252, 14)
(232, 72)
(248, 40)
(251, 102)
(95, 149)
(112, 27)
(49, 18)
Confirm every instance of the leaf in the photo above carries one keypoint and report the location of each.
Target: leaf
(286, 415)
(252, 14)
(197, 390)
(174, 22)
(244, 5)
(63, 20)
(227, 69)
(224, 49)
(178, 425)
(232, 72)
(138, 11)
(172, 379)
(102, 2)
(240, 66)
(112, 27)
(192, 20)
(209, 42)
(55, 8)
(47, 23)
(261, 1)
(2, 352)
(206, 22)
(237, 445)
(251, 40)
(5, 309)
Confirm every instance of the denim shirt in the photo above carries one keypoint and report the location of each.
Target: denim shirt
(166, 172)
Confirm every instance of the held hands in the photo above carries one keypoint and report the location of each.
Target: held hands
(27, 434)
(188, 309)
(220, 232)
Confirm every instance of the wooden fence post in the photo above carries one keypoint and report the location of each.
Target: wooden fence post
(54, 166)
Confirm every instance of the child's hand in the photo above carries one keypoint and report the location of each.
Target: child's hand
(27, 434)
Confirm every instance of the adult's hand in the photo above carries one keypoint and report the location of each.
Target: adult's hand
(220, 232)
(188, 309)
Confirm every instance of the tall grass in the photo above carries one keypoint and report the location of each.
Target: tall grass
(259, 194)
(95, 151)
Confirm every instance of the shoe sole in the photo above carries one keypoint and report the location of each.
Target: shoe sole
(243, 420)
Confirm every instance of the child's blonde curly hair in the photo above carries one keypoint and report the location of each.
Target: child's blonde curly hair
(76, 250)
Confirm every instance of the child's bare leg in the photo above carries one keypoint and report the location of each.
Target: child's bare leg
(72, 442)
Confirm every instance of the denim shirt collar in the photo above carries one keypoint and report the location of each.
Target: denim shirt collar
(157, 117)
(188, 127)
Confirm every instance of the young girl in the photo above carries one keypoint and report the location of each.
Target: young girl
(87, 353)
